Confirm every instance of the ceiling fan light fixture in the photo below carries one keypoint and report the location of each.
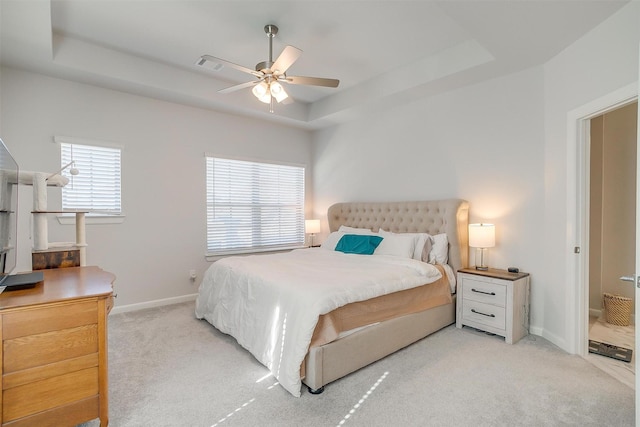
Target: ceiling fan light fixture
(265, 98)
(261, 91)
(278, 92)
(269, 73)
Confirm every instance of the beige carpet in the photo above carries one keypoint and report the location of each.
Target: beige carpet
(169, 369)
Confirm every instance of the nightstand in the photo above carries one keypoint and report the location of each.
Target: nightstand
(494, 301)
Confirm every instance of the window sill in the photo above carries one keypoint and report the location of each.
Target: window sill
(92, 219)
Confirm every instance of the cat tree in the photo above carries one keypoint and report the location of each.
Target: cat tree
(40, 181)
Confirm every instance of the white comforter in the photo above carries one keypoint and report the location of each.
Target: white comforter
(271, 303)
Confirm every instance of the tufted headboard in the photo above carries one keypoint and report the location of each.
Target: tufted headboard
(449, 216)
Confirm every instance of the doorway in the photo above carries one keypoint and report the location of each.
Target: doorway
(612, 214)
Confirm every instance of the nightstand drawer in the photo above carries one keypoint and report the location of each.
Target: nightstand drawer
(485, 292)
(485, 314)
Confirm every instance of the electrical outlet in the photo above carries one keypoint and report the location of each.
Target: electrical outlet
(192, 274)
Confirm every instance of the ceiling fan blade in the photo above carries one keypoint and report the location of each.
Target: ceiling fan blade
(216, 64)
(312, 81)
(240, 86)
(288, 56)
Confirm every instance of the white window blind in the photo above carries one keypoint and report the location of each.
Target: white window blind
(98, 185)
(253, 206)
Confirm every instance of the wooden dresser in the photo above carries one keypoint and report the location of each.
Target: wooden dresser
(54, 349)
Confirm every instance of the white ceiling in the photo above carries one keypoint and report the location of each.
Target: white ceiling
(384, 53)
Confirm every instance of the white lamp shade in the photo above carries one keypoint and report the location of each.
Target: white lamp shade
(261, 91)
(312, 226)
(482, 235)
(278, 92)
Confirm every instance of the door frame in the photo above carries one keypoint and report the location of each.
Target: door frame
(578, 171)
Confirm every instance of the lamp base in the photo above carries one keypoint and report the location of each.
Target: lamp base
(481, 255)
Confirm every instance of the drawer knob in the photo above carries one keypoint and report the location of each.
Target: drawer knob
(482, 292)
(484, 314)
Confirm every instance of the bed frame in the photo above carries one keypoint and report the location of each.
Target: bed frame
(327, 363)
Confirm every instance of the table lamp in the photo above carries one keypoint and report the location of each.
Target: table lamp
(312, 226)
(481, 237)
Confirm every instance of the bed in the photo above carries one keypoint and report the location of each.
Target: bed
(296, 336)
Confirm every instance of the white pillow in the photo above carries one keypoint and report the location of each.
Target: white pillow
(332, 240)
(440, 249)
(353, 230)
(423, 244)
(397, 245)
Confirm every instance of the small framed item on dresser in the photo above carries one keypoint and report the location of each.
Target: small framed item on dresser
(495, 301)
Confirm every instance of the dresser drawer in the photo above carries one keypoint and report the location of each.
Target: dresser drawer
(50, 393)
(49, 347)
(485, 314)
(485, 292)
(40, 320)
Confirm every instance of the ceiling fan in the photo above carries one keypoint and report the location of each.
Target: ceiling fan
(269, 74)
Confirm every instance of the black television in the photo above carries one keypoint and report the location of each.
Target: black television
(9, 226)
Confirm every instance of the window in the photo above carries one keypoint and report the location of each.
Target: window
(253, 206)
(97, 185)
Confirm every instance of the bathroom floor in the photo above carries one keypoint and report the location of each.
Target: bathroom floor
(622, 336)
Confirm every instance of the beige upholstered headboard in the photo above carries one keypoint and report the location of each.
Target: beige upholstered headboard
(449, 216)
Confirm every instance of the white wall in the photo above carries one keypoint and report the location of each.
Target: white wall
(482, 143)
(163, 173)
(599, 64)
(501, 145)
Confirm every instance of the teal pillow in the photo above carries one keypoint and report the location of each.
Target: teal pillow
(358, 244)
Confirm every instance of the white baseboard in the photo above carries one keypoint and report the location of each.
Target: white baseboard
(554, 339)
(155, 303)
(534, 330)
